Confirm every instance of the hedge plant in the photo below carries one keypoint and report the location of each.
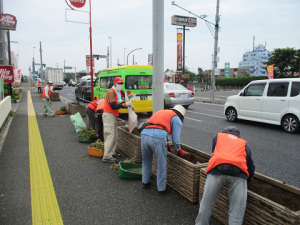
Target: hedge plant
(240, 81)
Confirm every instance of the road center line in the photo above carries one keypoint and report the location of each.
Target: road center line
(193, 119)
(44, 205)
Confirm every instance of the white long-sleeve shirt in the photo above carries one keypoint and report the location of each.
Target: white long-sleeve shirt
(47, 92)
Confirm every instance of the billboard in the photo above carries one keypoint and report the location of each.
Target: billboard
(8, 22)
(184, 21)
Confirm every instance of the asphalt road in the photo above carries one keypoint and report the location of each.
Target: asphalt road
(275, 153)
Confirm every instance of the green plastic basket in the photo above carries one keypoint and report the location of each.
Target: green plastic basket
(90, 140)
(130, 170)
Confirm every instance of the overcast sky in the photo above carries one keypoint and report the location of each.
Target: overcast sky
(129, 24)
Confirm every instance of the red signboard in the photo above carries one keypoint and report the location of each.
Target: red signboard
(7, 72)
(8, 22)
(179, 51)
(88, 60)
(77, 3)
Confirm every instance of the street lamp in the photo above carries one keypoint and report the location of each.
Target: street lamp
(110, 54)
(33, 63)
(131, 52)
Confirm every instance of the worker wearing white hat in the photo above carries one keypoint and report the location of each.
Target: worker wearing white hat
(154, 140)
(46, 99)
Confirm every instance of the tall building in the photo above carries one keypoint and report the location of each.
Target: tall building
(256, 61)
(3, 42)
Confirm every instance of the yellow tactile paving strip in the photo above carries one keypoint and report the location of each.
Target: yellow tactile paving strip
(44, 206)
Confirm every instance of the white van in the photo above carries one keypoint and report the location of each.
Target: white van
(274, 101)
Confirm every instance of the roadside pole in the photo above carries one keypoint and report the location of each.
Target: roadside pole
(158, 54)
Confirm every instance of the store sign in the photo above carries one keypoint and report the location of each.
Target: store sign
(227, 69)
(179, 51)
(88, 60)
(7, 73)
(8, 22)
(77, 3)
(184, 21)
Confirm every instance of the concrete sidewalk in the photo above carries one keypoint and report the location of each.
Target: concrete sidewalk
(88, 191)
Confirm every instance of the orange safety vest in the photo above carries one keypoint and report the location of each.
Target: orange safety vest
(100, 105)
(163, 118)
(44, 95)
(93, 105)
(107, 108)
(229, 149)
(39, 85)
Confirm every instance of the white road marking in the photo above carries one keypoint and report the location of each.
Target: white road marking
(221, 117)
(193, 119)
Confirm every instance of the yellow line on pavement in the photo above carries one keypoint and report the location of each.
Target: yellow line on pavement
(44, 206)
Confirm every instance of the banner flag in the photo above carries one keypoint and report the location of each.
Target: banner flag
(270, 69)
(179, 51)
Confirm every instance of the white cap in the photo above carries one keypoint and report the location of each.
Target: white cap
(50, 82)
(180, 109)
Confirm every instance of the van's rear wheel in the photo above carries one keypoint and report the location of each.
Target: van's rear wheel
(290, 123)
(231, 114)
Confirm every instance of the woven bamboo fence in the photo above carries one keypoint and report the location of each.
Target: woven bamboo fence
(129, 143)
(283, 208)
(184, 176)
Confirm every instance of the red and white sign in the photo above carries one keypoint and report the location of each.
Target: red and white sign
(77, 3)
(7, 72)
(88, 60)
(179, 51)
(8, 22)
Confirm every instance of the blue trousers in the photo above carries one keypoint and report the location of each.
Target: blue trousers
(158, 146)
(237, 193)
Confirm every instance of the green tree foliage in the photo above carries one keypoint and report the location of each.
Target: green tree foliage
(286, 62)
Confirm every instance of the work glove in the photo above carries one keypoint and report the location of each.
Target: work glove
(128, 104)
(181, 153)
(132, 107)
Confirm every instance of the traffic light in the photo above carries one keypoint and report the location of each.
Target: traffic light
(96, 56)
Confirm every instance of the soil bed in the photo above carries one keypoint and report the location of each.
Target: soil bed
(191, 157)
(276, 194)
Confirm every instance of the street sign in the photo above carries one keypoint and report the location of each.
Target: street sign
(227, 69)
(184, 21)
(77, 3)
(88, 61)
(68, 67)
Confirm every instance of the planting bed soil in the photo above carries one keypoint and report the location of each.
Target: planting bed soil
(191, 157)
(269, 201)
(278, 195)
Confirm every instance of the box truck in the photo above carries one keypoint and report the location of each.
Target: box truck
(55, 75)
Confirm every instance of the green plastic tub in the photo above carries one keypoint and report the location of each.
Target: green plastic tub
(130, 170)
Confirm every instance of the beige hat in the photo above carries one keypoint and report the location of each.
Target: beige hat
(180, 109)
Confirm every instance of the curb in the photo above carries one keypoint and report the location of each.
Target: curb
(7, 124)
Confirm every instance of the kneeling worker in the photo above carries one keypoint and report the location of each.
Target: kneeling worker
(231, 162)
(112, 104)
(154, 140)
(91, 111)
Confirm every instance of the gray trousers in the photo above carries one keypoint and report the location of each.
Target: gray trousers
(91, 115)
(48, 109)
(237, 191)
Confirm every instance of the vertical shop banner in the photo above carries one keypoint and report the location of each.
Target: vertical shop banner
(227, 69)
(150, 59)
(179, 51)
(270, 69)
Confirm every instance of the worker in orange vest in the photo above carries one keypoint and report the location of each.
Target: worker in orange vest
(154, 140)
(91, 111)
(113, 102)
(231, 162)
(46, 99)
(39, 85)
(99, 113)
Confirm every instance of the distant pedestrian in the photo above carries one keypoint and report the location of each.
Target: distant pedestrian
(154, 139)
(39, 86)
(48, 109)
(113, 102)
(231, 162)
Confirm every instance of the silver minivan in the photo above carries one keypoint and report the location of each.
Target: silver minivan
(274, 101)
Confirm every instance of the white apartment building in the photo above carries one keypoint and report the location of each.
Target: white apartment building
(256, 61)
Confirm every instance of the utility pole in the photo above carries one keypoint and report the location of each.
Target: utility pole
(42, 71)
(158, 54)
(107, 58)
(215, 63)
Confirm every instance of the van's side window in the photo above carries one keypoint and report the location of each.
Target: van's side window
(295, 89)
(278, 89)
(255, 90)
(106, 82)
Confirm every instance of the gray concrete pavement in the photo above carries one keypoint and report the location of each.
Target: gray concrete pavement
(88, 191)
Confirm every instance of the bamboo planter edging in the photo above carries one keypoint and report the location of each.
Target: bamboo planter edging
(129, 144)
(182, 175)
(259, 209)
(74, 108)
